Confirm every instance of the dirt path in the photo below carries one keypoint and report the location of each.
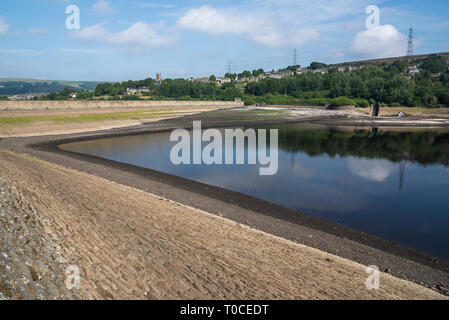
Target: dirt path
(130, 245)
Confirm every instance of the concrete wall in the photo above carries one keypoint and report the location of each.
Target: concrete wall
(81, 104)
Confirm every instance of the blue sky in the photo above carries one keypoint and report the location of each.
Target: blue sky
(134, 39)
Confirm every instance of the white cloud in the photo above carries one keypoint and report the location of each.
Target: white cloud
(37, 31)
(210, 20)
(85, 51)
(3, 26)
(261, 29)
(21, 51)
(381, 42)
(139, 36)
(374, 170)
(102, 7)
(153, 5)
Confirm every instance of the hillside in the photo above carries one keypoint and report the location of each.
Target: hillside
(445, 55)
(13, 86)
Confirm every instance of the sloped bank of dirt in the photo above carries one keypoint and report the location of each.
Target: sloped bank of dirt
(133, 245)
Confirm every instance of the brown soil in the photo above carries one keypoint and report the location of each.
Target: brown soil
(130, 245)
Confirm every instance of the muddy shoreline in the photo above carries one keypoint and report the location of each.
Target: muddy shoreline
(299, 227)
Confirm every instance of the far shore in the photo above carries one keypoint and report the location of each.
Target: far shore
(68, 119)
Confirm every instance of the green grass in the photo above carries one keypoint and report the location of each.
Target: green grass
(133, 115)
(425, 110)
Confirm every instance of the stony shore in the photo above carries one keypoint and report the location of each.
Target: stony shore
(31, 263)
(131, 244)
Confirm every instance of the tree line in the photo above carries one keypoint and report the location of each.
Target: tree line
(390, 84)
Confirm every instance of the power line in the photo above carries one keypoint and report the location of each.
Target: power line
(230, 67)
(410, 43)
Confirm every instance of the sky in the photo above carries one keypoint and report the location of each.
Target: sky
(120, 40)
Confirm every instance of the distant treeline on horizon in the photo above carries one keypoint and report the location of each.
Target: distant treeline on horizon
(22, 87)
(388, 83)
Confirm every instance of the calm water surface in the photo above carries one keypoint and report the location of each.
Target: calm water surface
(392, 184)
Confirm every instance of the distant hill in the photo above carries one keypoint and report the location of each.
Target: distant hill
(445, 55)
(13, 86)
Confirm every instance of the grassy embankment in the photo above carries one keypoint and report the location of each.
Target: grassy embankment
(40, 123)
(91, 117)
(133, 115)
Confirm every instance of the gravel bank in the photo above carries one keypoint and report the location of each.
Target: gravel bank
(31, 263)
(131, 244)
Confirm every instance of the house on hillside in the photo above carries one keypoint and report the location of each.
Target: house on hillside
(321, 70)
(222, 81)
(251, 79)
(137, 92)
(202, 80)
(350, 68)
(143, 90)
(413, 70)
(279, 74)
(131, 91)
(301, 70)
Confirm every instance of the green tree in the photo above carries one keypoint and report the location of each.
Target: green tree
(258, 72)
(317, 65)
(435, 64)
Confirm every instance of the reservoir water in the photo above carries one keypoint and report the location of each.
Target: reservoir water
(389, 183)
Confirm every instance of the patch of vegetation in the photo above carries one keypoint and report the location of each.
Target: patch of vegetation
(435, 64)
(342, 101)
(135, 115)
